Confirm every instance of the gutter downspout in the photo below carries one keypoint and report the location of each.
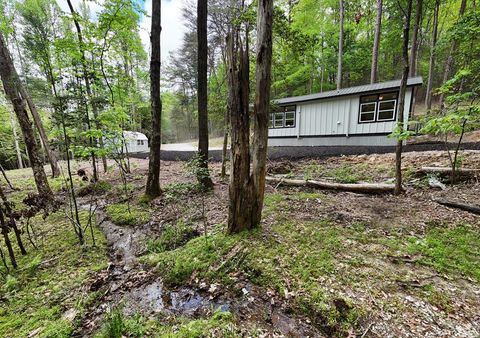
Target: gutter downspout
(298, 124)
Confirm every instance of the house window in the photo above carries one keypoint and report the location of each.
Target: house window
(284, 117)
(378, 107)
(140, 142)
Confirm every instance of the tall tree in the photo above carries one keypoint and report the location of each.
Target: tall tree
(153, 181)
(450, 59)
(15, 141)
(202, 94)
(415, 39)
(247, 190)
(340, 45)
(376, 42)
(431, 63)
(13, 89)
(401, 99)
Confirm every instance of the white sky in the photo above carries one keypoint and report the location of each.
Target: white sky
(172, 25)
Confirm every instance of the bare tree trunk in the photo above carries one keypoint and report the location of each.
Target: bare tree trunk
(15, 140)
(401, 99)
(4, 174)
(340, 46)
(202, 94)
(153, 181)
(450, 60)
(416, 28)
(12, 87)
(225, 146)
(12, 224)
(240, 188)
(262, 105)
(86, 79)
(376, 42)
(431, 64)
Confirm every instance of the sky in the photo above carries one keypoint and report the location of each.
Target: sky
(172, 25)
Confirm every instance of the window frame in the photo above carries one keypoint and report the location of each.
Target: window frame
(283, 110)
(377, 107)
(360, 113)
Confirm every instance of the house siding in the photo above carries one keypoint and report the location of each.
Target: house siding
(336, 117)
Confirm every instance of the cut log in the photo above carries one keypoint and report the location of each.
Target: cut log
(474, 209)
(369, 188)
(448, 170)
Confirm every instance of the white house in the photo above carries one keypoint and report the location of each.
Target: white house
(136, 142)
(356, 116)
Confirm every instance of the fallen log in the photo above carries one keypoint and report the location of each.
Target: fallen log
(448, 170)
(474, 209)
(370, 188)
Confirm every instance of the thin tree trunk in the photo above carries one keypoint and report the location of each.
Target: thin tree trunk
(376, 42)
(12, 223)
(202, 94)
(6, 178)
(431, 64)
(153, 180)
(401, 99)
(86, 79)
(262, 105)
(450, 60)
(12, 87)
(8, 244)
(52, 159)
(15, 141)
(225, 146)
(340, 46)
(416, 28)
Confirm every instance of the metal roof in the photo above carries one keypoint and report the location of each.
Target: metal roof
(414, 81)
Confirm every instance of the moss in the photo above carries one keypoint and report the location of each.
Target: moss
(36, 296)
(97, 188)
(120, 214)
(172, 237)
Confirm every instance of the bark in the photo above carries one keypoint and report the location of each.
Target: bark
(340, 46)
(370, 188)
(450, 60)
(262, 105)
(240, 188)
(225, 146)
(153, 180)
(416, 28)
(4, 229)
(459, 205)
(431, 64)
(88, 89)
(401, 99)
(202, 94)
(52, 159)
(15, 140)
(376, 42)
(12, 87)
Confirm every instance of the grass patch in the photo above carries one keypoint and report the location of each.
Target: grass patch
(36, 296)
(120, 215)
(451, 250)
(172, 237)
(96, 188)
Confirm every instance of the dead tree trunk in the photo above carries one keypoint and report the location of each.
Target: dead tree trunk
(12, 85)
(340, 46)
(401, 99)
(376, 42)
(153, 181)
(240, 188)
(247, 189)
(431, 64)
(12, 223)
(453, 48)
(262, 105)
(416, 29)
(202, 94)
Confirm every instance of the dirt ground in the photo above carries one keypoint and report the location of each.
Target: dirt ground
(386, 284)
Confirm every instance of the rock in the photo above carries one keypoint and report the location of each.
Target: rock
(433, 182)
